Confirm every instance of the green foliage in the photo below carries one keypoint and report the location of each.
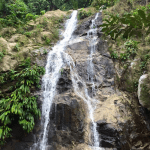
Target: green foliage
(1, 56)
(145, 94)
(75, 4)
(114, 55)
(45, 52)
(83, 14)
(84, 3)
(37, 6)
(130, 51)
(106, 3)
(30, 16)
(130, 24)
(42, 12)
(19, 105)
(16, 48)
(28, 34)
(131, 47)
(144, 61)
(71, 4)
(47, 40)
(18, 12)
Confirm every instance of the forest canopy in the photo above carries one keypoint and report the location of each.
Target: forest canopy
(18, 12)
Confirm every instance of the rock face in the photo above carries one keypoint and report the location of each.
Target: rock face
(70, 124)
(143, 94)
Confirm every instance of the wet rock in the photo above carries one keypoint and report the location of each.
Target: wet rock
(64, 82)
(79, 46)
(66, 124)
(108, 135)
(83, 28)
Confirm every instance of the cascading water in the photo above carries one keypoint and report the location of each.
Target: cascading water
(57, 59)
(50, 79)
(84, 95)
(92, 36)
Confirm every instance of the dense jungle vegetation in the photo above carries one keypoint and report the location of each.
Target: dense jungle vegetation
(17, 12)
(126, 24)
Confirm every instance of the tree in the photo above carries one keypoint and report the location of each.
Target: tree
(36, 6)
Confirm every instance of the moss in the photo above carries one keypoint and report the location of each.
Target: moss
(145, 93)
(23, 40)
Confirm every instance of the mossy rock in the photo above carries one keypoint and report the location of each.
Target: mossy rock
(4, 46)
(7, 31)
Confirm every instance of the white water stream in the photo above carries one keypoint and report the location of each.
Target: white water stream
(53, 68)
(92, 37)
(55, 62)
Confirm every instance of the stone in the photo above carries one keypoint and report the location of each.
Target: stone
(7, 31)
(66, 124)
(64, 82)
(4, 46)
(108, 135)
(6, 65)
(142, 93)
(15, 38)
(83, 28)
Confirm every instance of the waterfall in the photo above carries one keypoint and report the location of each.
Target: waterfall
(50, 79)
(91, 102)
(57, 59)
(84, 95)
(92, 37)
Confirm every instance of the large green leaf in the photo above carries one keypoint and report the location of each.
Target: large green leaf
(148, 17)
(120, 31)
(127, 31)
(142, 14)
(123, 20)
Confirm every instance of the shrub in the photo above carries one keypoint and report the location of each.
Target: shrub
(18, 11)
(130, 24)
(42, 12)
(30, 16)
(83, 14)
(131, 47)
(144, 61)
(99, 3)
(114, 55)
(19, 105)
(28, 34)
(130, 51)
